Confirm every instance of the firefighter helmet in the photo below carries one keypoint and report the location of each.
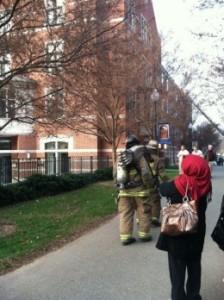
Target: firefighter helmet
(131, 141)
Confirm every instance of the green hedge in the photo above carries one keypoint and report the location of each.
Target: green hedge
(173, 167)
(37, 185)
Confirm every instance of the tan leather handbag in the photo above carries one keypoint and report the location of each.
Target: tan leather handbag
(180, 218)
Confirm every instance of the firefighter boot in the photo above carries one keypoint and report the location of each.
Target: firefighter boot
(128, 241)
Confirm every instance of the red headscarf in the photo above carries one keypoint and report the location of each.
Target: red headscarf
(197, 175)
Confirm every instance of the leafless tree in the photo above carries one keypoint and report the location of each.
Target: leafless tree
(99, 97)
(206, 134)
(38, 42)
(204, 4)
(210, 58)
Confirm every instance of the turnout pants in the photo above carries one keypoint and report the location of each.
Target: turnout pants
(127, 207)
(156, 205)
(178, 268)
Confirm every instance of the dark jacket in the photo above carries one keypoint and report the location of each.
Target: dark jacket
(222, 205)
(185, 246)
(210, 155)
(218, 232)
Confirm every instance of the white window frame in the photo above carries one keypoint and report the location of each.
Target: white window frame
(4, 15)
(148, 78)
(162, 78)
(167, 85)
(144, 29)
(55, 50)
(56, 139)
(132, 102)
(5, 64)
(64, 139)
(131, 14)
(56, 151)
(55, 12)
(167, 106)
(7, 101)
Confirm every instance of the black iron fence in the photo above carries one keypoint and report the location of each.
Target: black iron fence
(14, 170)
(171, 155)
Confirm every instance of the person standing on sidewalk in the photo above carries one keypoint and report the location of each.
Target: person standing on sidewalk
(184, 251)
(181, 155)
(135, 183)
(158, 170)
(197, 151)
(210, 156)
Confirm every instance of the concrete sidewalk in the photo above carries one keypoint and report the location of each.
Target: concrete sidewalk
(97, 267)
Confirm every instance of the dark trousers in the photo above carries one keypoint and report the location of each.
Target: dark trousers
(178, 268)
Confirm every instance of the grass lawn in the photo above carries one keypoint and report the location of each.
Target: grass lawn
(48, 222)
(172, 173)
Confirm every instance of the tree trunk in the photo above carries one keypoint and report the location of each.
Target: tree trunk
(114, 160)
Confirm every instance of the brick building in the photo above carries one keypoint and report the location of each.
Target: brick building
(175, 109)
(67, 61)
(56, 24)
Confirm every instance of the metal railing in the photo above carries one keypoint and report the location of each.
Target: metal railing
(14, 170)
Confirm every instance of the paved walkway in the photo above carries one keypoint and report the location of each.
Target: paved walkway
(97, 267)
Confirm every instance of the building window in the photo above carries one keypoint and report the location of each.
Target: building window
(144, 29)
(56, 155)
(148, 78)
(165, 105)
(5, 19)
(54, 12)
(54, 104)
(5, 63)
(133, 107)
(62, 145)
(132, 103)
(167, 85)
(54, 55)
(162, 78)
(130, 13)
(7, 103)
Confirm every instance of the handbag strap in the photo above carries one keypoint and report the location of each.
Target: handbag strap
(186, 197)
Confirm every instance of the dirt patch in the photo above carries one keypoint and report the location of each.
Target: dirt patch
(7, 229)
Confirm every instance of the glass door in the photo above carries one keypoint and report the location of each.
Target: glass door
(50, 158)
(5, 162)
(63, 160)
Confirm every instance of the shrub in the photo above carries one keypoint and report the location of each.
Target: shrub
(37, 185)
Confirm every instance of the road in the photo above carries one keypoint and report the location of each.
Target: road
(97, 267)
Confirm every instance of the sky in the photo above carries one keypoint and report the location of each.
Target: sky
(178, 21)
(170, 13)
(182, 19)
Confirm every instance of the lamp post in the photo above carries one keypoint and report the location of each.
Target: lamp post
(155, 98)
(190, 126)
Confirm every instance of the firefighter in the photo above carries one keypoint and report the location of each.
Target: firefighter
(158, 170)
(135, 182)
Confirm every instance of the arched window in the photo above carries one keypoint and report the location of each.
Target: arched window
(56, 157)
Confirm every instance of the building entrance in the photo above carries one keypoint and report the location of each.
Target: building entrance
(5, 162)
(57, 160)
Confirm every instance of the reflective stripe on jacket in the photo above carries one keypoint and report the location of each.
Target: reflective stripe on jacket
(131, 193)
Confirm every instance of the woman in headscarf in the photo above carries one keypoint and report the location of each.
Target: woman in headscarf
(184, 251)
